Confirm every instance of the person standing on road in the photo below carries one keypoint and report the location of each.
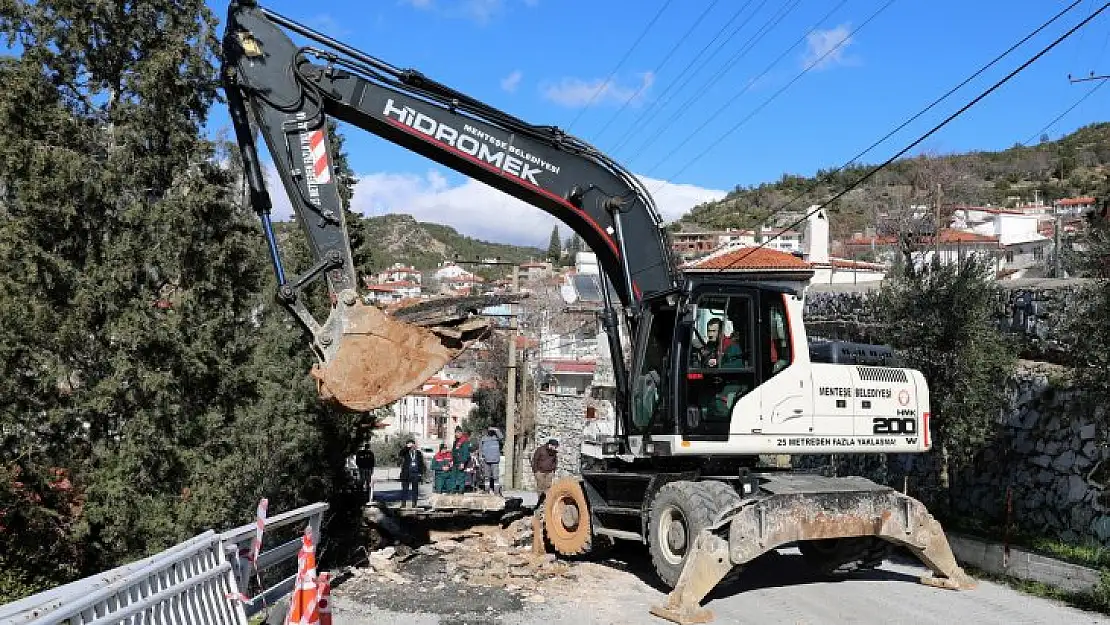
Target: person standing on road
(490, 448)
(412, 472)
(364, 460)
(460, 456)
(544, 461)
(441, 466)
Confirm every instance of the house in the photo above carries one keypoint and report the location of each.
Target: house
(830, 270)
(391, 292)
(1074, 205)
(688, 245)
(1022, 244)
(952, 245)
(399, 272)
(435, 410)
(755, 261)
(535, 270)
(565, 376)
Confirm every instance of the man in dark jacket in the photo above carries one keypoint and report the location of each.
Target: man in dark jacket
(412, 472)
(364, 460)
(544, 461)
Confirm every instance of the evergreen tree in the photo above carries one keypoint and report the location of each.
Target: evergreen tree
(555, 246)
(135, 268)
(941, 319)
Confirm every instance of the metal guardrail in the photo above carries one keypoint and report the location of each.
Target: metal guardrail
(196, 581)
(237, 542)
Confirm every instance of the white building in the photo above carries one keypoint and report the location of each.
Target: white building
(391, 292)
(433, 412)
(829, 270)
(1021, 244)
(399, 272)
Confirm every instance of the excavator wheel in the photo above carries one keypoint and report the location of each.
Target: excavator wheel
(839, 556)
(566, 517)
(679, 512)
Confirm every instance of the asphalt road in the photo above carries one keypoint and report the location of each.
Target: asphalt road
(777, 588)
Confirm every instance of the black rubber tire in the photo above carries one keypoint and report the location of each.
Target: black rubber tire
(841, 556)
(701, 504)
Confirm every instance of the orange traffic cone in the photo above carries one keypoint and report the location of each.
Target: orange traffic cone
(302, 603)
(323, 598)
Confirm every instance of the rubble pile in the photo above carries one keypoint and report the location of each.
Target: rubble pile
(478, 557)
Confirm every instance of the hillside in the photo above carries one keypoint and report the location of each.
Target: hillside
(399, 238)
(1076, 164)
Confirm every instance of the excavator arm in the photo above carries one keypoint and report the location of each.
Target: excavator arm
(287, 92)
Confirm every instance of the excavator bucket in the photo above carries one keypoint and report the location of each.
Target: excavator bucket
(383, 355)
(810, 508)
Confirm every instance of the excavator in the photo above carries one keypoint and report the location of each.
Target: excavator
(714, 370)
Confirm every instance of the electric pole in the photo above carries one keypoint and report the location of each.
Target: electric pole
(1056, 269)
(510, 393)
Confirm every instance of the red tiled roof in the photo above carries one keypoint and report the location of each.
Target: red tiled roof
(840, 263)
(464, 391)
(946, 236)
(1075, 201)
(750, 259)
(571, 366)
(991, 209)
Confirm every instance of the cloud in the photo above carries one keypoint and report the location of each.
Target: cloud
(833, 42)
(512, 81)
(576, 92)
(477, 209)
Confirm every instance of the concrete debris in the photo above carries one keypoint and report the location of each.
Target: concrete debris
(488, 556)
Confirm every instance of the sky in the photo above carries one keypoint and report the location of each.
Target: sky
(697, 97)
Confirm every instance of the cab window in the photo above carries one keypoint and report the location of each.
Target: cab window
(720, 363)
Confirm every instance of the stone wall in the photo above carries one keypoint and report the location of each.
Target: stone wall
(1032, 310)
(1051, 457)
(562, 417)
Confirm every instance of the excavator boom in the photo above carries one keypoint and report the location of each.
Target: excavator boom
(368, 358)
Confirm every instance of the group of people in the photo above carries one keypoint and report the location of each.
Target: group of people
(457, 469)
(460, 468)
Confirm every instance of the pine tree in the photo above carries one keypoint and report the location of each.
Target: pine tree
(555, 246)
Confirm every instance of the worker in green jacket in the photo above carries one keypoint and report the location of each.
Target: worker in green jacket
(460, 456)
(441, 466)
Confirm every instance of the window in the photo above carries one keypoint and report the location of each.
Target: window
(779, 352)
(1038, 253)
(1009, 256)
(720, 362)
(649, 392)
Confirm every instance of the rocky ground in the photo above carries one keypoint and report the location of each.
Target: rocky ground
(467, 575)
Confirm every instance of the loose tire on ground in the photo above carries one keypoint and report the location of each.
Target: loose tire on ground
(566, 517)
(840, 556)
(679, 511)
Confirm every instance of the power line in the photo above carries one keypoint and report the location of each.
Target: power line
(698, 92)
(804, 71)
(662, 101)
(923, 137)
(666, 57)
(1089, 93)
(619, 64)
(930, 107)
